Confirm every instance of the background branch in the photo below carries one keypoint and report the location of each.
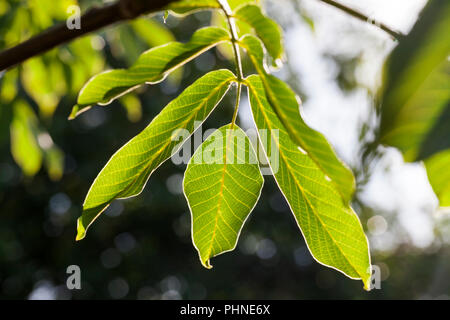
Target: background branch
(395, 34)
(94, 19)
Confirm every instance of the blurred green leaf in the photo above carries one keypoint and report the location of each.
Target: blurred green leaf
(438, 170)
(127, 172)
(332, 230)
(152, 67)
(24, 145)
(189, 6)
(417, 83)
(286, 105)
(222, 184)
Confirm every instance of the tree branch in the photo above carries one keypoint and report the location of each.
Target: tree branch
(94, 19)
(362, 17)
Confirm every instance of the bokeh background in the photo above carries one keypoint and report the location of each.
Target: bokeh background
(141, 247)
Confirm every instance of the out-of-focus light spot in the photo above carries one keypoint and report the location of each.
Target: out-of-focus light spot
(205, 62)
(182, 225)
(43, 290)
(60, 203)
(110, 258)
(118, 288)
(168, 87)
(249, 244)
(384, 270)
(171, 295)
(170, 283)
(93, 118)
(97, 42)
(302, 257)
(175, 184)
(125, 242)
(377, 225)
(115, 209)
(266, 249)
(45, 141)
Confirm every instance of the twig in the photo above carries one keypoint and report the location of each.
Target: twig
(94, 19)
(358, 15)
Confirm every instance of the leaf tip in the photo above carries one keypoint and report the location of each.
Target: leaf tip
(81, 230)
(77, 110)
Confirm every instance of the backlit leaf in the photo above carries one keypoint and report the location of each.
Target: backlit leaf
(287, 107)
(127, 172)
(222, 184)
(331, 228)
(266, 29)
(152, 67)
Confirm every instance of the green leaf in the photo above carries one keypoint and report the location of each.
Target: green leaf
(287, 107)
(222, 184)
(127, 172)
(24, 146)
(152, 67)
(417, 85)
(439, 176)
(185, 7)
(266, 29)
(332, 230)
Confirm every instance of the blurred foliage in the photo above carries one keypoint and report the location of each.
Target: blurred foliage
(144, 250)
(416, 93)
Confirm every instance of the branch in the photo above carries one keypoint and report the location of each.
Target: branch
(362, 17)
(94, 19)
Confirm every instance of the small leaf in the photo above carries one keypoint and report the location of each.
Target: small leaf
(152, 67)
(416, 91)
(287, 107)
(186, 7)
(266, 29)
(127, 172)
(332, 230)
(222, 184)
(439, 175)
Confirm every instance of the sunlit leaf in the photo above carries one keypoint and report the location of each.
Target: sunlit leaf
(416, 91)
(222, 184)
(266, 29)
(152, 67)
(438, 170)
(331, 228)
(287, 107)
(127, 172)
(24, 145)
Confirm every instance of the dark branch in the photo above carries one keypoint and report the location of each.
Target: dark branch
(92, 20)
(362, 17)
